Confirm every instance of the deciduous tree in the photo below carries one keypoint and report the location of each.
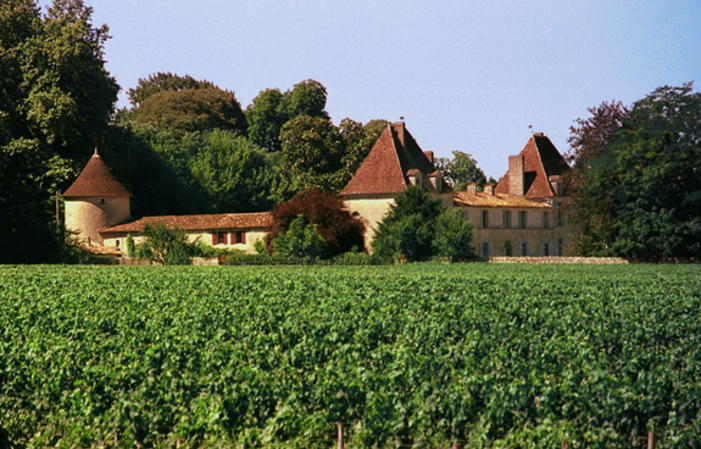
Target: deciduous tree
(340, 231)
(56, 97)
(191, 110)
(649, 179)
(164, 82)
(461, 170)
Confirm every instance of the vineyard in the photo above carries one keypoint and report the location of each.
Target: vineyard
(425, 356)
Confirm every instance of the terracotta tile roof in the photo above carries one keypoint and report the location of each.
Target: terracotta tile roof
(384, 171)
(483, 199)
(197, 222)
(540, 161)
(96, 180)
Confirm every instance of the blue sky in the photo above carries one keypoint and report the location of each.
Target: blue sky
(465, 75)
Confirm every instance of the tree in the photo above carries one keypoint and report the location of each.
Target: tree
(163, 246)
(164, 82)
(649, 179)
(233, 172)
(56, 97)
(453, 237)
(311, 157)
(265, 119)
(461, 170)
(341, 232)
(300, 241)
(271, 109)
(407, 232)
(358, 140)
(190, 110)
(591, 137)
(589, 141)
(306, 98)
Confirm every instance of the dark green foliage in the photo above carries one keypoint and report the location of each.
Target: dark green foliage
(265, 119)
(204, 172)
(56, 96)
(271, 109)
(461, 170)
(453, 236)
(407, 232)
(311, 156)
(191, 110)
(341, 232)
(316, 154)
(306, 98)
(163, 246)
(646, 188)
(483, 356)
(300, 241)
(164, 82)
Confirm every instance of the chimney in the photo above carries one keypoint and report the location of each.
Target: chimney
(429, 156)
(489, 189)
(401, 132)
(516, 175)
(472, 188)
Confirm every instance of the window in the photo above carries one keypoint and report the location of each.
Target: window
(522, 219)
(546, 219)
(508, 250)
(559, 247)
(485, 219)
(219, 238)
(237, 237)
(485, 249)
(524, 249)
(546, 249)
(507, 219)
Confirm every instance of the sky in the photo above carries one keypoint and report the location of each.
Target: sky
(474, 76)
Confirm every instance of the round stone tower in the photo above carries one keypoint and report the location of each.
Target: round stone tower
(96, 200)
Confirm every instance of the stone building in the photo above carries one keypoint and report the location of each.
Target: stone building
(521, 216)
(96, 200)
(97, 209)
(394, 163)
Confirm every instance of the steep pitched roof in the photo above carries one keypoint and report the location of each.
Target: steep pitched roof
(96, 180)
(385, 170)
(541, 160)
(206, 222)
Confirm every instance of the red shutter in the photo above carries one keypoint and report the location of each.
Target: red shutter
(243, 236)
(224, 238)
(214, 238)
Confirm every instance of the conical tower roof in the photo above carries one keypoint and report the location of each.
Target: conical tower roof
(96, 180)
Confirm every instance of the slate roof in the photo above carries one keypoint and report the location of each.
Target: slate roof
(205, 222)
(505, 200)
(96, 180)
(540, 161)
(385, 170)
